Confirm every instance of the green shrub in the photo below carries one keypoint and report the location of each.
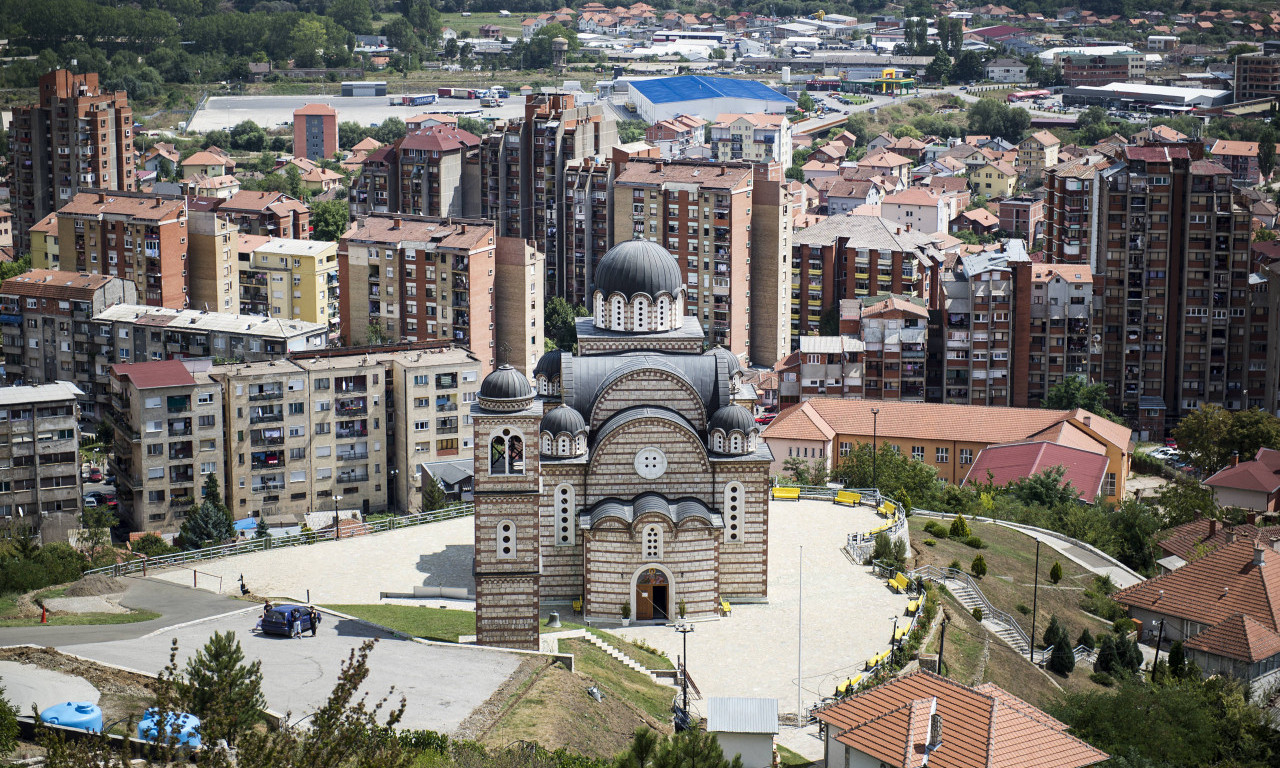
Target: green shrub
(979, 566)
(1086, 639)
(975, 541)
(1122, 625)
(930, 543)
(977, 613)
(1023, 609)
(959, 528)
(936, 529)
(956, 566)
(1103, 679)
(1055, 573)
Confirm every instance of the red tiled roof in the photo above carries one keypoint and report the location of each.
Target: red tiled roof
(1261, 474)
(981, 727)
(1191, 540)
(316, 109)
(1010, 462)
(53, 284)
(1213, 587)
(439, 138)
(1237, 637)
(154, 374)
(913, 196)
(1235, 148)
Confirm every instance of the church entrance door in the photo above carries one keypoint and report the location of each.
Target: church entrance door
(652, 592)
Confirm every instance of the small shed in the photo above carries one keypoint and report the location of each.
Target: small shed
(364, 88)
(744, 727)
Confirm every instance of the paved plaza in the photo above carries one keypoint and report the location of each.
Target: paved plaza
(442, 684)
(224, 112)
(848, 614)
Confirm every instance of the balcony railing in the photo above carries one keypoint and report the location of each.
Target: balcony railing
(352, 456)
(353, 477)
(266, 395)
(263, 417)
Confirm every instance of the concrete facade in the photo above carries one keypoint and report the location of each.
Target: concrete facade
(39, 453)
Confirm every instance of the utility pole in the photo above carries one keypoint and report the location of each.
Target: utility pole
(875, 418)
(800, 644)
(684, 629)
(1035, 595)
(1159, 639)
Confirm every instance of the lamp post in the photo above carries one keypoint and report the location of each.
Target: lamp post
(391, 491)
(684, 628)
(337, 531)
(875, 423)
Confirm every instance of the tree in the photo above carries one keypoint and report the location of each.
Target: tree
(1063, 658)
(152, 545)
(631, 130)
(352, 15)
(97, 523)
(206, 526)
(897, 475)
(558, 318)
(1074, 392)
(968, 67)
(940, 68)
(1052, 631)
(1106, 660)
(248, 136)
(1086, 639)
(9, 730)
(979, 566)
(1177, 659)
(222, 690)
(959, 528)
(1267, 151)
(473, 126)
(1211, 435)
(805, 102)
(1055, 573)
(995, 118)
(350, 133)
(330, 219)
(1184, 500)
(1045, 489)
(400, 35)
(16, 267)
(389, 130)
(806, 472)
(307, 41)
(262, 531)
(450, 48)
(692, 748)
(433, 497)
(1264, 235)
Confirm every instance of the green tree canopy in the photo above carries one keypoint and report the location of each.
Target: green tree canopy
(558, 322)
(222, 690)
(307, 41)
(329, 219)
(1211, 435)
(352, 15)
(206, 526)
(1074, 392)
(896, 474)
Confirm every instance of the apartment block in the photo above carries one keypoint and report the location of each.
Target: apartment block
(416, 278)
(773, 207)
(679, 137)
(706, 215)
(169, 438)
(1062, 341)
(75, 138)
(1172, 266)
(1258, 74)
(292, 280)
(1080, 69)
(44, 244)
(315, 132)
(588, 183)
(522, 174)
(1023, 217)
(40, 458)
(211, 256)
(139, 334)
(49, 335)
(423, 173)
(1068, 209)
(337, 433)
(852, 257)
(138, 237)
(754, 138)
(273, 214)
(519, 331)
(1038, 152)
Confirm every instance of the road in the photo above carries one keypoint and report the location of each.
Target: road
(174, 603)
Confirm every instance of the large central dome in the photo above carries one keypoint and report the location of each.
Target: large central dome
(638, 266)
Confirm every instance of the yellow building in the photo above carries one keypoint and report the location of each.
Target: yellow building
(291, 280)
(44, 243)
(995, 179)
(1037, 152)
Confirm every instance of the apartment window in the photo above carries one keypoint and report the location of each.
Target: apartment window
(208, 467)
(151, 402)
(845, 448)
(917, 452)
(321, 384)
(966, 456)
(942, 455)
(421, 426)
(296, 409)
(155, 450)
(205, 399)
(421, 381)
(297, 454)
(298, 431)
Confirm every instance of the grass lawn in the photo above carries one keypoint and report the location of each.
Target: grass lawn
(1011, 558)
(619, 681)
(82, 619)
(440, 624)
(791, 758)
(646, 658)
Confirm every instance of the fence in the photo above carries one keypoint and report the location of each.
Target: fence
(989, 611)
(142, 564)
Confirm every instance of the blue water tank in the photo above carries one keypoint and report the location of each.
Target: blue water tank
(74, 714)
(183, 727)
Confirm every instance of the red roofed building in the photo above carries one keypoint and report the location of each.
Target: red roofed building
(893, 725)
(420, 174)
(1011, 462)
(1241, 157)
(315, 132)
(1252, 485)
(1225, 605)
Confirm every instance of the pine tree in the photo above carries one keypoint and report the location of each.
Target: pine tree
(1063, 659)
(432, 494)
(1052, 631)
(1086, 639)
(959, 528)
(1055, 573)
(1177, 660)
(223, 691)
(979, 566)
(262, 532)
(207, 525)
(1106, 661)
(1134, 658)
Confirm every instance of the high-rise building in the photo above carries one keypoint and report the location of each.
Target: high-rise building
(755, 138)
(211, 257)
(49, 334)
(1258, 73)
(1068, 209)
(315, 132)
(138, 237)
(416, 278)
(140, 333)
(273, 214)
(1063, 340)
(75, 138)
(522, 173)
(40, 456)
(291, 279)
(422, 173)
(712, 219)
(169, 437)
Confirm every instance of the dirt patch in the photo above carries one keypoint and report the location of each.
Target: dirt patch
(483, 717)
(96, 584)
(124, 694)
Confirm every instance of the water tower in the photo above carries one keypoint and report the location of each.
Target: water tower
(559, 53)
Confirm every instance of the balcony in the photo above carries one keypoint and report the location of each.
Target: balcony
(352, 456)
(266, 394)
(182, 502)
(353, 477)
(351, 407)
(261, 417)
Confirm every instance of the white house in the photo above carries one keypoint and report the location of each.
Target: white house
(744, 727)
(1007, 71)
(920, 209)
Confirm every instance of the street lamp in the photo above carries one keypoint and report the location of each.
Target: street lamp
(875, 423)
(391, 491)
(893, 641)
(684, 628)
(337, 531)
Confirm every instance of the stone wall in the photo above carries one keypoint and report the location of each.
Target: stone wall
(650, 387)
(615, 552)
(507, 610)
(613, 472)
(744, 565)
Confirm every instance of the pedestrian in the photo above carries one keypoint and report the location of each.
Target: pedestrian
(296, 615)
(315, 620)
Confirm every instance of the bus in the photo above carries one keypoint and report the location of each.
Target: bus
(1036, 94)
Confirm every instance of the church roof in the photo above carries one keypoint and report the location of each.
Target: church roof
(638, 266)
(677, 511)
(583, 377)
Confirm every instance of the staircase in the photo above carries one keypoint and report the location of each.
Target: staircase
(966, 592)
(592, 638)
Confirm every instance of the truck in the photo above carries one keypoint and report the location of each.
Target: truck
(414, 101)
(458, 93)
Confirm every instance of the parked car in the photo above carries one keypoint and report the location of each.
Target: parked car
(88, 502)
(279, 620)
(1171, 443)
(109, 479)
(766, 418)
(95, 475)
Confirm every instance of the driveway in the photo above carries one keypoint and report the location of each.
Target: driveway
(848, 614)
(442, 683)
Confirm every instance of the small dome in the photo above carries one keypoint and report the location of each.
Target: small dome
(732, 417)
(548, 365)
(638, 266)
(505, 389)
(735, 365)
(562, 419)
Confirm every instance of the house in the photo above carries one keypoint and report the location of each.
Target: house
(835, 150)
(453, 477)
(675, 136)
(979, 221)
(926, 719)
(887, 163)
(922, 209)
(1190, 541)
(314, 177)
(1011, 462)
(995, 179)
(161, 151)
(208, 163)
(1241, 157)
(1006, 70)
(744, 727)
(1266, 212)
(846, 194)
(1224, 606)
(817, 169)
(1252, 485)
(490, 32)
(1037, 152)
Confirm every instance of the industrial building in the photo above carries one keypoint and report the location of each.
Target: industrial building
(1143, 95)
(705, 97)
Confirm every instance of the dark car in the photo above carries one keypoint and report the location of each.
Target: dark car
(109, 479)
(279, 620)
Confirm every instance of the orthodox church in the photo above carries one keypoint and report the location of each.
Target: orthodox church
(626, 476)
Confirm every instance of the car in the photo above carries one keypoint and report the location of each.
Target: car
(97, 496)
(88, 502)
(95, 475)
(280, 618)
(109, 480)
(964, 87)
(766, 418)
(1171, 443)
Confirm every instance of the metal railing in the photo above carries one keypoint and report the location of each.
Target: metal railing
(989, 611)
(141, 565)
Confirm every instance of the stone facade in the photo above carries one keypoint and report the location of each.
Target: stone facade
(637, 481)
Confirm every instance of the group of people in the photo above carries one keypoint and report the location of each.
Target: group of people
(295, 618)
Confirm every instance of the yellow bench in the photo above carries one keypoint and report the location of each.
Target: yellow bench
(848, 497)
(900, 582)
(789, 494)
(577, 605)
(725, 608)
(885, 509)
(913, 606)
(881, 529)
(848, 686)
(901, 633)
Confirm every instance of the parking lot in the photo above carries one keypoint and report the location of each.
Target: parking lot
(442, 684)
(224, 112)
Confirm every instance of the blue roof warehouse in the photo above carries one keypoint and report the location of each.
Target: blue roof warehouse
(705, 97)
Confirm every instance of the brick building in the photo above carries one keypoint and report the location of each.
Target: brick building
(315, 132)
(664, 512)
(1022, 216)
(75, 138)
(1258, 74)
(1081, 69)
(273, 214)
(422, 173)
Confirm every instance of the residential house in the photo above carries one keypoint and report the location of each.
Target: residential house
(1249, 485)
(1241, 157)
(1004, 70)
(676, 137)
(995, 179)
(1038, 152)
(922, 209)
(754, 138)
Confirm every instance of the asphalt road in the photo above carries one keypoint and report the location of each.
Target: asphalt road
(175, 604)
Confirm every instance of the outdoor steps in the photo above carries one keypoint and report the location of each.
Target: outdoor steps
(622, 657)
(965, 595)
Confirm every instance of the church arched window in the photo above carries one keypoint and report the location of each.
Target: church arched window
(564, 500)
(498, 455)
(562, 445)
(735, 443)
(717, 441)
(618, 314)
(546, 443)
(640, 309)
(515, 455)
(505, 540)
(600, 310)
(653, 542)
(731, 508)
(664, 313)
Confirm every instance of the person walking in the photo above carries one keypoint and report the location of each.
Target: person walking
(296, 615)
(315, 620)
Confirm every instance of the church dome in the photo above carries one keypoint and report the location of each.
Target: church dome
(733, 417)
(506, 389)
(562, 419)
(548, 365)
(638, 266)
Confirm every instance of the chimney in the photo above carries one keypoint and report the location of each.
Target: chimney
(1259, 554)
(1213, 527)
(102, 197)
(1087, 420)
(908, 227)
(1235, 458)
(1229, 534)
(657, 167)
(395, 223)
(898, 231)
(1251, 518)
